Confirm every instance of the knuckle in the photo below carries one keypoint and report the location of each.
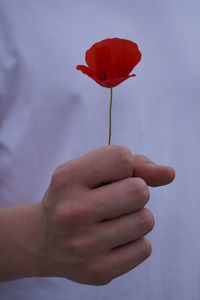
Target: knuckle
(73, 214)
(147, 219)
(82, 248)
(64, 215)
(147, 249)
(97, 274)
(56, 177)
(124, 156)
(102, 282)
(62, 175)
(130, 187)
(140, 188)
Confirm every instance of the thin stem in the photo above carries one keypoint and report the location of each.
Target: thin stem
(110, 117)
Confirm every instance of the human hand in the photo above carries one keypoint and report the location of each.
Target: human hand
(93, 215)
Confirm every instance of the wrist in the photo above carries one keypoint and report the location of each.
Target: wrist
(20, 241)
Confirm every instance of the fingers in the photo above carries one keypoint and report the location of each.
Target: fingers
(153, 175)
(110, 164)
(95, 214)
(98, 167)
(119, 261)
(119, 198)
(125, 258)
(124, 229)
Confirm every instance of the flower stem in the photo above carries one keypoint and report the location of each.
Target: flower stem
(110, 117)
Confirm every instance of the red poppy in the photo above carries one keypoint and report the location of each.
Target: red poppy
(110, 61)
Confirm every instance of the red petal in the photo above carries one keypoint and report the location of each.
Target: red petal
(110, 83)
(112, 58)
(88, 71)
(125, 55)
(98, 58)
(85, 70)
(105, 83)
(110, 61)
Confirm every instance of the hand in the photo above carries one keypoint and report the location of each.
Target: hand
(93, 215)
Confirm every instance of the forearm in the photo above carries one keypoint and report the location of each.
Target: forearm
(19, 234)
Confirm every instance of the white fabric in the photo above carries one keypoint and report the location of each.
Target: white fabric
(50, 113)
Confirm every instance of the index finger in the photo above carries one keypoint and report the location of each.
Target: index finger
(101, 166)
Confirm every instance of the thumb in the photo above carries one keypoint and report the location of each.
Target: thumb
(153, 174)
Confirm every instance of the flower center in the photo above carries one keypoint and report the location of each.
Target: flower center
(104, 76)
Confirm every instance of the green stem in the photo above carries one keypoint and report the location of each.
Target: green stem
(110, 117)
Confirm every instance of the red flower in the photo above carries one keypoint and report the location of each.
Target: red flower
(110, 61)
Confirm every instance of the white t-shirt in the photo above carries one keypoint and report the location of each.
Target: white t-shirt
(50, 113)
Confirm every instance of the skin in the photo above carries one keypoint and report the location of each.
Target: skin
(90, 226)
